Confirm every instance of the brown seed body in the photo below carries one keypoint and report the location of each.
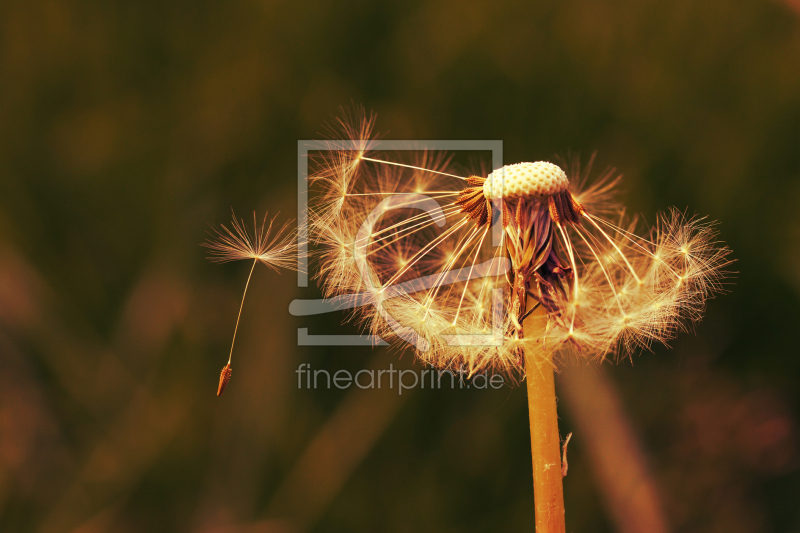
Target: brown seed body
(224, 378)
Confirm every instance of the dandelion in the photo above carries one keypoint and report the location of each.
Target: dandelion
(274, 249)
(570, 276)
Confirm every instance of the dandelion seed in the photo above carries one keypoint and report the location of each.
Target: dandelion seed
(276, 250)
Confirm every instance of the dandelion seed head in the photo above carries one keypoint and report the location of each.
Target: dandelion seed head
(603, 287)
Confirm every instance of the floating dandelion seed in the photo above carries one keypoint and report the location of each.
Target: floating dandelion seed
(274, 249)
(570, 276)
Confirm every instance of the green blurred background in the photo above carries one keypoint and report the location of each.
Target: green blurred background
(127, 127)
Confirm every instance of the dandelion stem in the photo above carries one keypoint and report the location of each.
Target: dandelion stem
(548, 491)
(241, 306)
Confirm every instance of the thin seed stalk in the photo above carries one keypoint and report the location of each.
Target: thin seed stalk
(548, 492)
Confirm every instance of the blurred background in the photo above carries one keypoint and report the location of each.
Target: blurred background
(126, 128)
